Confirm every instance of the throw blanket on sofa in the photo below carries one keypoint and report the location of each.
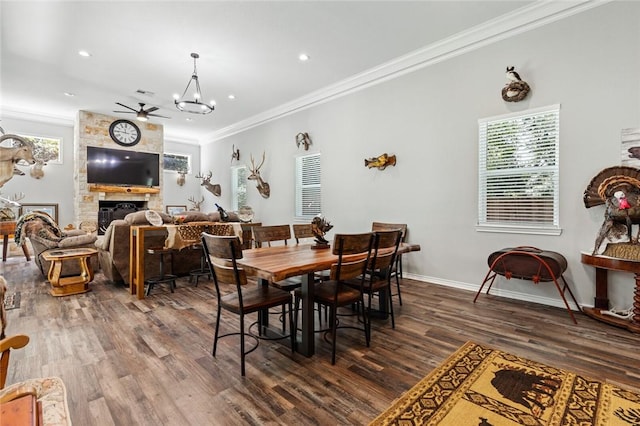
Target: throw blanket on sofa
(45, 228)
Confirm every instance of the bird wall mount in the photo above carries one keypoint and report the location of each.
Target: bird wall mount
(516, 89)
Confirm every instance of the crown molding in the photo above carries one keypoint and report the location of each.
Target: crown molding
(18, 114)
(532, 16)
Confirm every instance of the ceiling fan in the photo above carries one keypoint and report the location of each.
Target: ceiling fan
(141, 114)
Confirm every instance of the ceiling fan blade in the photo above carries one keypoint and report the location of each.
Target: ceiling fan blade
(151, 109)
(126, 112)
(158, 115)
(127, 107)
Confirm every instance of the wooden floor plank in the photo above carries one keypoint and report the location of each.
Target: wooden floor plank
(148, 362)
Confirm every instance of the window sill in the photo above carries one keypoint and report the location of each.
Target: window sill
(520, 229)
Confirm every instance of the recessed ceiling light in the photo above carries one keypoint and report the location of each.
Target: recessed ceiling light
(304, 57)
(232, 97)
(189, 119)
(84, 53)
(69, 94)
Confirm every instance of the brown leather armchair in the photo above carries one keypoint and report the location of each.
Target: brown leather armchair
(45, 235)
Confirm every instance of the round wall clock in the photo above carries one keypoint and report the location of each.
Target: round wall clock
(125, 132)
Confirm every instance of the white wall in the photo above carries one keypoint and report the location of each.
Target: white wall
(174, 194)
(588, 63)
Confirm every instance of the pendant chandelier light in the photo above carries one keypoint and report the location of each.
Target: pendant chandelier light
(193, 104)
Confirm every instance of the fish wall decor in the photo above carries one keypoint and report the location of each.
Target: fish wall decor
(381, 162)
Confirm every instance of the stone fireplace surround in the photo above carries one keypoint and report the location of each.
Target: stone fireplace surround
(92, 129)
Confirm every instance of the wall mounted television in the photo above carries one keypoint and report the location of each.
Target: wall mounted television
(125, 168)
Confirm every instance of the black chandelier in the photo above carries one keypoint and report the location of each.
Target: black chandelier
(193, 104)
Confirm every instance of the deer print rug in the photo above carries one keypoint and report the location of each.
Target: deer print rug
(482, 386)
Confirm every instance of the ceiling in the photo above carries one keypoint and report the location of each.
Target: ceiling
(247, 48)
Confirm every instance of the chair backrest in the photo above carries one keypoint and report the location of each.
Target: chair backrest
(7, 343)
(385, 249)
(220, 251)
(269, 234)
(302, 230)
(351, 244)
(247, 234)
(382, 226)
(12, 342)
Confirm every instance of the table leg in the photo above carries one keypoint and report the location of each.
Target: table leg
(601, 300)
(5, 244)
(635, 321)
(307, 345)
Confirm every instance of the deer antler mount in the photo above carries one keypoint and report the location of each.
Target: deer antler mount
(263, 187)
(213, 188)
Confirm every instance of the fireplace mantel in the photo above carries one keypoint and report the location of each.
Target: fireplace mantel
(123, 189)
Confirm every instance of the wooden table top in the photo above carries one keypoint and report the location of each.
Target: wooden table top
(68, 253)
(7, 227)
(278, 263)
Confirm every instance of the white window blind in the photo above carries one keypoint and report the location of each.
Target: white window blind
(519, 172)
(308, 190)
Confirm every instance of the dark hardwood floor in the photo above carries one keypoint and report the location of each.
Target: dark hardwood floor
(130, 362)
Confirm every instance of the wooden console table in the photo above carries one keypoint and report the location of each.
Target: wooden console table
(601, 302)
(8, 227)
(65, 286)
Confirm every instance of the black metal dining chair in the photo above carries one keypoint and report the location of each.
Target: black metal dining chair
(335, 293)
(222, 253)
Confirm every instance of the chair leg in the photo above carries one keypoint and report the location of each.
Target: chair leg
(215, 338)
(398, 276)
(393, 320)
(242, 354)
(334, 330)
(292, 328)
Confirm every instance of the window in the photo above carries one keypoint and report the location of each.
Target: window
(519, 173)
(177, 162)
(238, 187)
(308, 199)
(48, 150)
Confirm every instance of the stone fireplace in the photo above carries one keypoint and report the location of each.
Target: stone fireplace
(92, 129)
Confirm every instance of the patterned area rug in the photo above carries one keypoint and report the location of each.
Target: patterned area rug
(480, 386)
(12, 300)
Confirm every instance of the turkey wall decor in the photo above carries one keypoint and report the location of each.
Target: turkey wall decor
(516, 89)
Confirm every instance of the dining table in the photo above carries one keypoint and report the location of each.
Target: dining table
(273, 264)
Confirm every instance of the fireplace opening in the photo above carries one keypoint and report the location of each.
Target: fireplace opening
(109, 211)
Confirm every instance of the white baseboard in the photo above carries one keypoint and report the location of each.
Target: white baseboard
(496, 292)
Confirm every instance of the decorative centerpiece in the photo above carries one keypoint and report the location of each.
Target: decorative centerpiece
(245, 214)
(320, 226)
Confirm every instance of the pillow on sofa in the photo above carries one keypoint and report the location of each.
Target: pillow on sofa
(215, 217)
(140, 218)
(190, 216)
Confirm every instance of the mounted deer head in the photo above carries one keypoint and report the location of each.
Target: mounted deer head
(263, 187)
(213, 188)
(181, 178)
(196, 204)
(36, 171)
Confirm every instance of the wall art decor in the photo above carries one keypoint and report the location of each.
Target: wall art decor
(50, 209)
(381, 161)
(516, 89)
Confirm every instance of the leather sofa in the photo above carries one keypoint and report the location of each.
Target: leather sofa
(114, 246)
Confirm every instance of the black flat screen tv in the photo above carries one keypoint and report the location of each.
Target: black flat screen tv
(125, 168)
